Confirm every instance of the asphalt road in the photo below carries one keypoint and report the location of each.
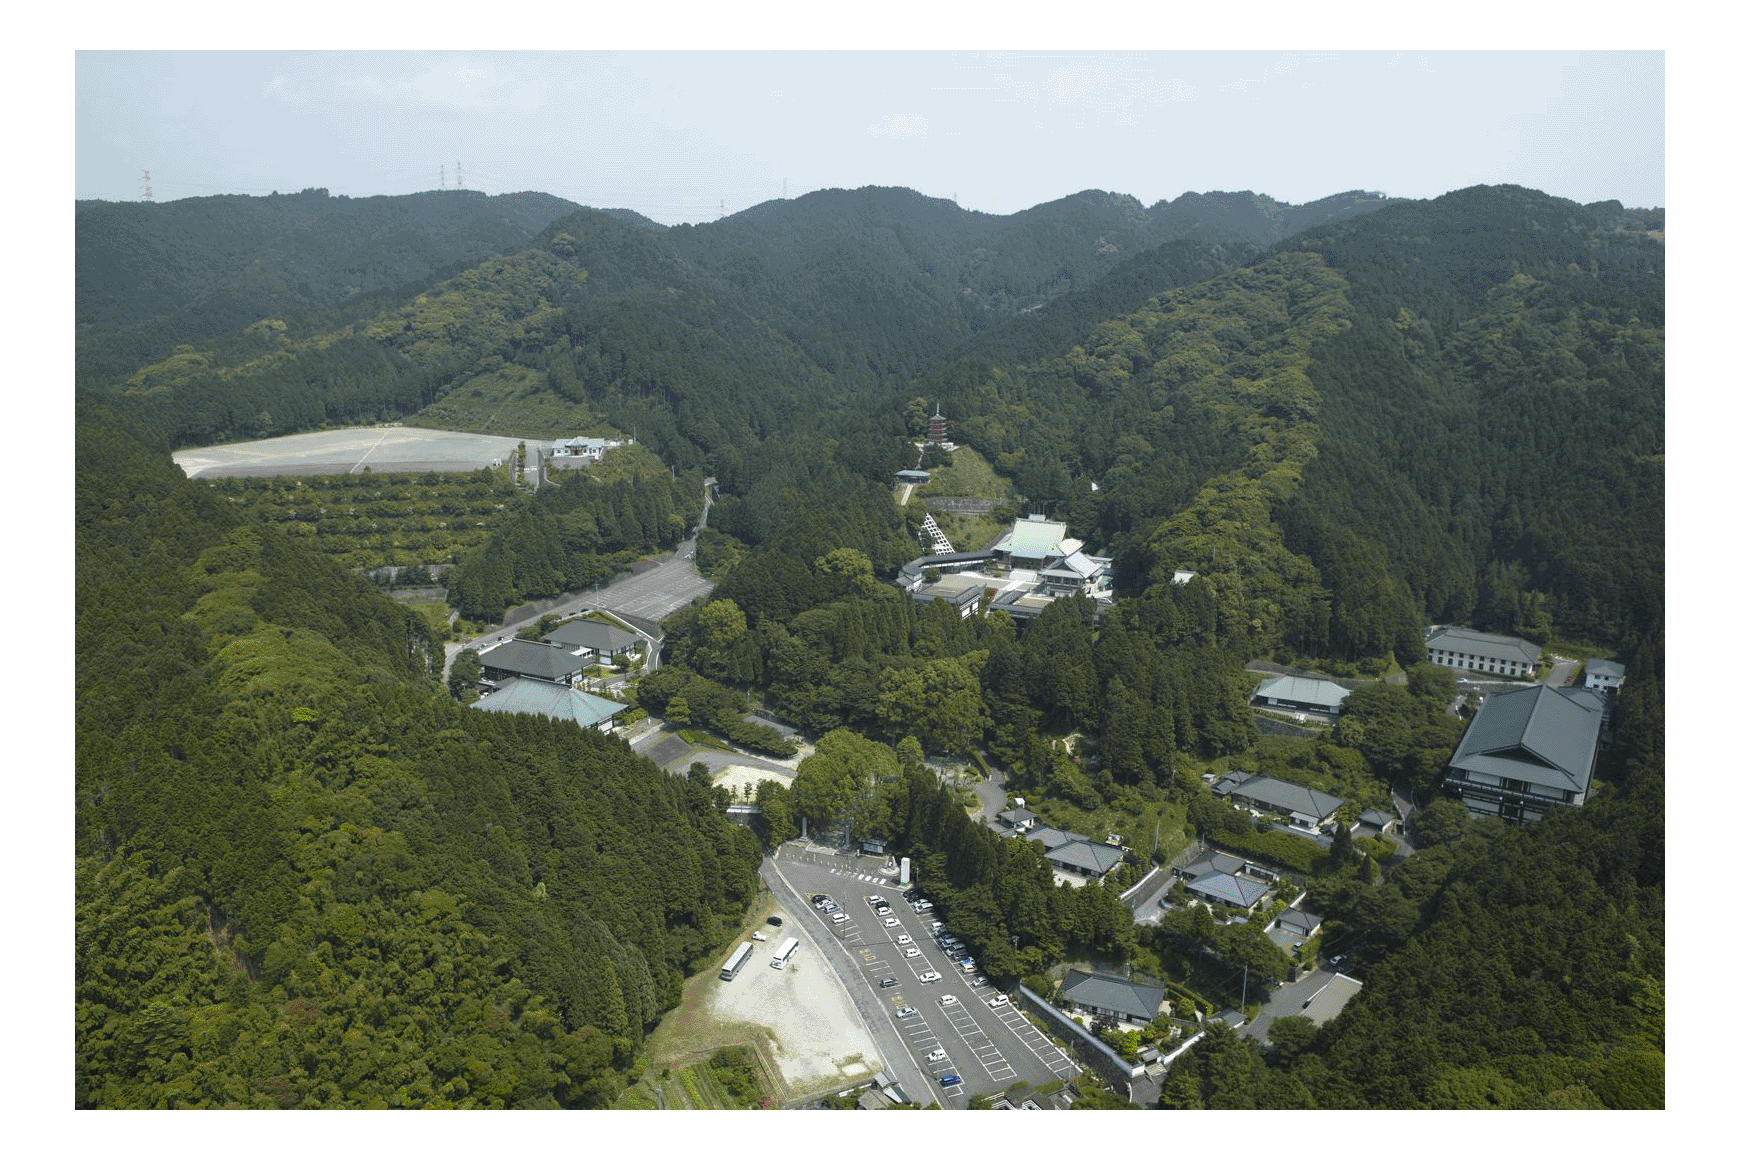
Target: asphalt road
(652, 593)
(990, 1048)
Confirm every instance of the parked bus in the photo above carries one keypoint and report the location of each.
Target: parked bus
(783, 955)
(735, 963)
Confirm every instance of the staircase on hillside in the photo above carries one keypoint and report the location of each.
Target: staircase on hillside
(939, 543)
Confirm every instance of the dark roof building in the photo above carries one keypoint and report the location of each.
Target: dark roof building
(530, 658)
(1300, 694)
(1091, 859)
(1099, 994)
(1228, 889)
(1526, 751)
(593, 636)
(1307, 807)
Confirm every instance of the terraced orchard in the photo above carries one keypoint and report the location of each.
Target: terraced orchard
(371, 521)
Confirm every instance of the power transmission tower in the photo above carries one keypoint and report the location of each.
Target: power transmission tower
(145, 194)
(444, 177)
(459, 174)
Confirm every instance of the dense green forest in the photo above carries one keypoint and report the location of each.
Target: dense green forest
(305, 876)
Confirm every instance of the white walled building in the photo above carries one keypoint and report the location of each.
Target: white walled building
(1482, 652)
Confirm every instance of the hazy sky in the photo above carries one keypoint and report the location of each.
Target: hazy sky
(677, 135)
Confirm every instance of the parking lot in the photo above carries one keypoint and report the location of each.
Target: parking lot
(989, 1045)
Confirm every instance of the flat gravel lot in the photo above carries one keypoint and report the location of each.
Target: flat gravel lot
(341, 452)
(819, 1041)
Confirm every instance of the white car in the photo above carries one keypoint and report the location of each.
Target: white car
(758, 937)
(904, 939)
(946, 1000)
(936, 1056)
(891, 922)
(841, 917)
(913, 952)
(998, 1001)
(929, 977)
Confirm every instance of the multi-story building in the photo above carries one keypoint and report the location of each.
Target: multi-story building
(1527, 751)
(1482, 652)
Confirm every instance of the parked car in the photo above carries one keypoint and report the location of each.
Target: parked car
(891, 981)
(913, 952)
(775, 920)
(929, 977)
(904, 939)
(998, 1001)
(905, 1011)
(841, 917)
(936, 1056)
(946, 1000)
(978, 980)
(891, 922)
(950, 1080)
(874, 900)
(758, 937)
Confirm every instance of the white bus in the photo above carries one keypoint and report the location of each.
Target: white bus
(735, 963)
(783, 955)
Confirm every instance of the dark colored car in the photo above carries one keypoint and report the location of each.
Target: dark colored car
(776, 920)
(950, 1080)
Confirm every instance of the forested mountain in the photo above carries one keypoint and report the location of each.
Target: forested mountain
(152, 276)
(306, 877)
(1348, 419)
(1490, 344)
(876, 283)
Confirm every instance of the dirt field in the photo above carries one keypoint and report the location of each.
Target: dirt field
(351, 449)
(808, 1036)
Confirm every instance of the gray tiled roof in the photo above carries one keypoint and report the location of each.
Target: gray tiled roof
(1051, 837)
(1214, 863)
(592, 634)
(1092, 857)
(1288, 797)
(1542, 735)
(1016, 816)
(532, 658)
(1229, 888)
(1485, 644)
(1303, 690)
(546, 700)
(1110, 993)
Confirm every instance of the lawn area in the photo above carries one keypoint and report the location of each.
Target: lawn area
(514, 400)
(968, 475)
